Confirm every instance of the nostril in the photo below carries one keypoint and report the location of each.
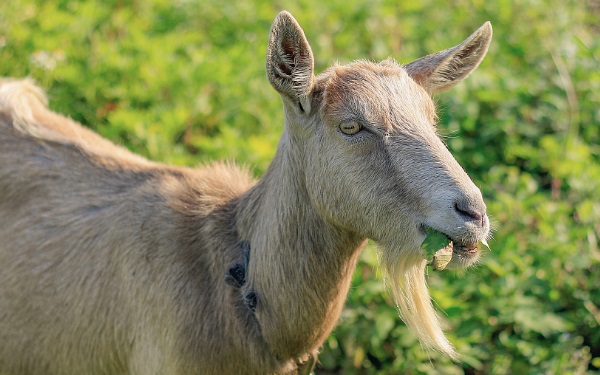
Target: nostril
(470, 213)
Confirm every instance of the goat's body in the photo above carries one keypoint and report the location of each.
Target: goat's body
(128, 258)
(55, 255)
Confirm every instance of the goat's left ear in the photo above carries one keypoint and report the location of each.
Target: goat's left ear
(290, 63)
(440, 71)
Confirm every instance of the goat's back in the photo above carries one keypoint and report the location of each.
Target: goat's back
(94, 243)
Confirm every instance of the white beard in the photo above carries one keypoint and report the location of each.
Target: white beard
(405, 273)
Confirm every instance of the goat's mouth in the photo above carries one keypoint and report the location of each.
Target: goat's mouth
(443, 252)
(465, 248)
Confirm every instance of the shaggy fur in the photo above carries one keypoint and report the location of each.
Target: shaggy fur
(112, 264)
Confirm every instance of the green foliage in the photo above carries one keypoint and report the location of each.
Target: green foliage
(433, 242)
(184, 82)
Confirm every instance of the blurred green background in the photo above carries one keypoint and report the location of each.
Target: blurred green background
(183, 81)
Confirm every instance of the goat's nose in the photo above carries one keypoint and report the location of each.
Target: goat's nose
(471, 211)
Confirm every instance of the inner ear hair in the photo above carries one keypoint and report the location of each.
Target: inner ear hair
(290, 62)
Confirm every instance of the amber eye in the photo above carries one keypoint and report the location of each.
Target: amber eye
(350, 127)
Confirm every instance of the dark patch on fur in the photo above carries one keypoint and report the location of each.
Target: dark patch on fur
(236, 276)
(250, 300)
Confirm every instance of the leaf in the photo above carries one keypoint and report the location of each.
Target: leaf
(384, 324)
(433, 242)
(544, 323)
(442, 257)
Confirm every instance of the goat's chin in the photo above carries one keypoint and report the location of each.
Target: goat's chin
(463, 260)
(405, 273)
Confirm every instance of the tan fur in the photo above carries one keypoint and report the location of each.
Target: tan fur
(112, 264)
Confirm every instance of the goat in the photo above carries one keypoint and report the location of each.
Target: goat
(113, 264)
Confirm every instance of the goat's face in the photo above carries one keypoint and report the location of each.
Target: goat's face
(373, 163)
(376, 166)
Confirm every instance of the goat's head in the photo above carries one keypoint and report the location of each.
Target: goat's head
(373, 163)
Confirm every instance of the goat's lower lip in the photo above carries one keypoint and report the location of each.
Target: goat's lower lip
(469, 249)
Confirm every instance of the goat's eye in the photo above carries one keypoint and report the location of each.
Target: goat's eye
(350, 127)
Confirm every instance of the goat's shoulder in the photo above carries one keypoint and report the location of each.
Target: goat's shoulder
(48, 142)
(206, 187)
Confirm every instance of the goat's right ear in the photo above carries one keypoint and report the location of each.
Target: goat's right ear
(290, 62)
(440, 71)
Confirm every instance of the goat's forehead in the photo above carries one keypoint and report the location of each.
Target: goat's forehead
(379, 93)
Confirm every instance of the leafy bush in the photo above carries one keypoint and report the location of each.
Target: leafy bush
(184, 82)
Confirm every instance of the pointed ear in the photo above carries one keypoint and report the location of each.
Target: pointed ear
(442, 70)
(290, 62)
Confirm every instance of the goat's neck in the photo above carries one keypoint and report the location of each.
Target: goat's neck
(300, 265)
